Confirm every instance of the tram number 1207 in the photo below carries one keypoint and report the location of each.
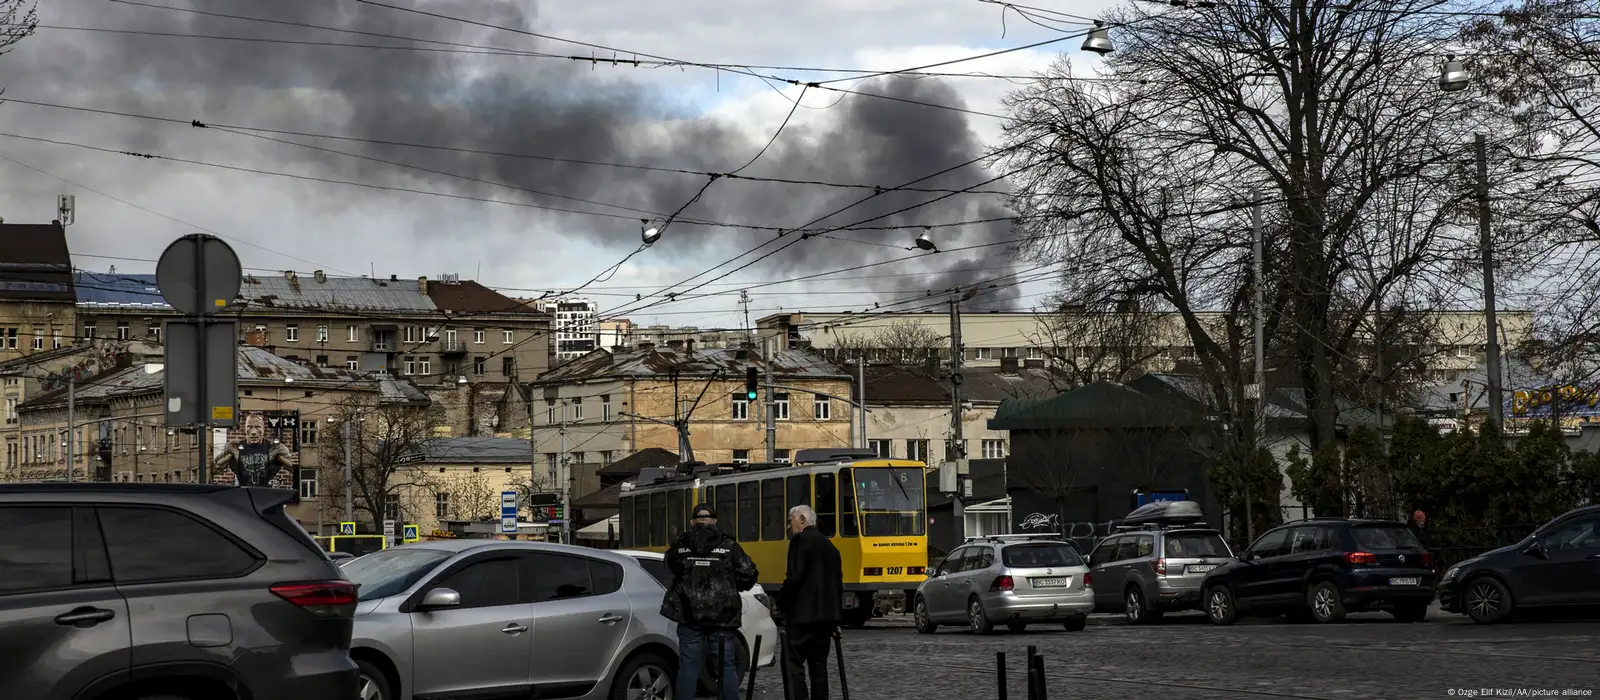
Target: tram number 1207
(894, 570)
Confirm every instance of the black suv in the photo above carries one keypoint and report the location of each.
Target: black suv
(167, 592)
(1320, 569)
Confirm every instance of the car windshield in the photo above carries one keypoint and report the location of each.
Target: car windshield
(1196, 544)
(391, 571)
(890, 501)
(1043, 554)
(1373, 537)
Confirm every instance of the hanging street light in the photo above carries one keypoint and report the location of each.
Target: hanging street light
(650, 232)
(1453, 77)
(1099, 40)
(925, 242)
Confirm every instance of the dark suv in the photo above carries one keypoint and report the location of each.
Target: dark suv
(1320, 569)
(167, 592)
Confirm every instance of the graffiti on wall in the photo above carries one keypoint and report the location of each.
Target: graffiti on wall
(1039, 522)
(98, 359)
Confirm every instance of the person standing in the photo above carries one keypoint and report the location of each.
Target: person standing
(812, 593)
(709, 570)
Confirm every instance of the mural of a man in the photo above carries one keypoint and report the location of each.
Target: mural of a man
(255, 461)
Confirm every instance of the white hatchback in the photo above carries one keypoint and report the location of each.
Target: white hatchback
(756, 622)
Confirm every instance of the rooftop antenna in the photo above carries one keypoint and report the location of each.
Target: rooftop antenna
(373, 268)
(65, 204)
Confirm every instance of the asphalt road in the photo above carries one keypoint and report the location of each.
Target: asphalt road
(1368, 656)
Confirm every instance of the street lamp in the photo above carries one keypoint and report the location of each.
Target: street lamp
(1453, 77)
(925, 242)
(1099, 40)
(650, 232)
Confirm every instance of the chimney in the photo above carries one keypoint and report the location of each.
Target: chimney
(422, 284)
(394, 278)
(1008, 365)
(688, 346)
(930, 365)
(320, 276)
(289, 275)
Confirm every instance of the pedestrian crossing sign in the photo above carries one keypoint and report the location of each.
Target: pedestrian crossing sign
(409, 533)
(347, 528)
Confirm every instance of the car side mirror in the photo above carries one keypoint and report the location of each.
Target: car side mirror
(1536, 548)
(440, 598)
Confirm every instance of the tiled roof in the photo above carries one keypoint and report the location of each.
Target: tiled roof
(106, 290)
(630, 465)
(475, 450)
(335, 293)
(992, 385)
(1098, 405)
(896, 385)
(469, 297)
(34, 263)
(731, 363)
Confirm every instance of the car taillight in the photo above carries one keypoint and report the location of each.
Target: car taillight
(1088, 580)
(1427, 559)
(916, 570)
(320, 598)
(1003, 583)
(1361, 557)
(1161, 567)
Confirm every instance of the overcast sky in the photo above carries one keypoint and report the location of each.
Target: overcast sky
(682, 118)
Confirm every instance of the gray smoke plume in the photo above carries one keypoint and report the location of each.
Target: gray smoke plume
(551, 107)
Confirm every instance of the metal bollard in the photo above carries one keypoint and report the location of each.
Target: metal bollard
(1027, 672)
(1038, 678)
(783, 664)
(838, 652)
(755, 663)
(722, 660)
(1000, 668)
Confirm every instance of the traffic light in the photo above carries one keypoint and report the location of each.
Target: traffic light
(752, 381)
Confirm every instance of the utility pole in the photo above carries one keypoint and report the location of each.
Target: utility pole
(772, 404)
(1259, 311)
(566, 478)
(958, 449)
(861, 398)
(1492, 346)
(349, 500)
(72, 384)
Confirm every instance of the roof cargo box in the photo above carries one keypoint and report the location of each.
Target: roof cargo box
(1165, 513)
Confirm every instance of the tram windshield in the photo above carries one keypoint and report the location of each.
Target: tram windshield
(890, 501)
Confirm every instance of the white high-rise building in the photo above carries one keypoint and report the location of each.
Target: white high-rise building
(575, 325)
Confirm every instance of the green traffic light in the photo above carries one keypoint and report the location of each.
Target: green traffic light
(750, 395)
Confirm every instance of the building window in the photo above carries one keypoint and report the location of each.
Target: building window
(38, 338)
(917, 450)
(550, 411)
(410, 335)
(322, 360)
(441, 505)
(577, 458)
(605, 457)
(741, 406)
(550, 467)
(322, 334)
(1008, 352)
(1035, 353)
(478, 366)
(577, 409)
(477, 336)
(410, 366)
(780, 456)
(88, 330)
(880, 448)
(424, 366)
(55, 336)
(605, 407)
(291, 333)
(508, 366)
(450, 337)
(391, 507)
(994, 449)
(352, 362)
(308, 433)
(983, 353)
(308, 483)
(821, 408)
(11, 338)
(780, 407)
(955, 451)
(352, 333)
(506, 337)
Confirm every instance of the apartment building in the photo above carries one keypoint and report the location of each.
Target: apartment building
(49, 371)
(466, 344)
(606, 405)
(36, 295)
(574, 324)
(909, 409)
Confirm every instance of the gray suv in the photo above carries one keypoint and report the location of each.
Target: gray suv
(495, 618)
(1147, 570)
(167, 592)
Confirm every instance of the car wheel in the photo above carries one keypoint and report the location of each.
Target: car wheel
(977, 621)
(1220, 608)
(1137, 609)
(1076, 624)
(644, 677)
(1411, 612)
(1487, 600)
(373, 685)
(1327, 603)
(925, 623)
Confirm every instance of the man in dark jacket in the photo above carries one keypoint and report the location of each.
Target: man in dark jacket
(813, 591)
(709, 569)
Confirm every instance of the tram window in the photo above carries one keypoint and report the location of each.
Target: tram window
(641, 521)
(826, 517)
(750, 511)
(800, 490)
(727, 514)
(773, 515)
(658, 519)
(675, 514)
(625, 510)
(847, 504)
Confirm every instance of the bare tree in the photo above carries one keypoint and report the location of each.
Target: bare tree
(470, 495)
(18, 19)
(1100, 338)
(1038, 464)
(1318, 109)
(388, 446)
(903, 341)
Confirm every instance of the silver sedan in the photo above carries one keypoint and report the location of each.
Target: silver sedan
(1009, 580)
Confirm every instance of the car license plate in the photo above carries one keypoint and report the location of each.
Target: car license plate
(1052, 582)
(1201, 568)
(1405, 581)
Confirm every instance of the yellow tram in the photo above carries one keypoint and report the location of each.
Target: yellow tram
(873, 509)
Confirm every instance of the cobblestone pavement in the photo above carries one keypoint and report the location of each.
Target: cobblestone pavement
(1368, 656)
